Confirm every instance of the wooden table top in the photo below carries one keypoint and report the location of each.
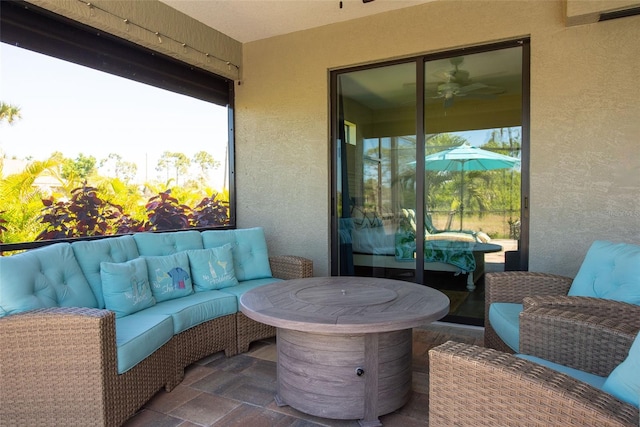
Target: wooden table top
(344, 305)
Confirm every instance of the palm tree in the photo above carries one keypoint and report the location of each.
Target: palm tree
(23, 200)
(9, 113)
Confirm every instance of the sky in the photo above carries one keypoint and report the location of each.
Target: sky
(74, 109)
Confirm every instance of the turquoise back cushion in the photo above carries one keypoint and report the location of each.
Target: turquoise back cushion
(609, 270)
(249, 247)
(212, 268)
(125, 286)
(624, 381)
(169, 276)
(159, 244)
(44, 277)
(91, 253)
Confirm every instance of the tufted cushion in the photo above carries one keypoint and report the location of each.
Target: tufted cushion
(44, 277)
(91, 253)
(169, 276)
(212, 268)
(125, 286)
(250, 257)
(609, 270)
(158, 244)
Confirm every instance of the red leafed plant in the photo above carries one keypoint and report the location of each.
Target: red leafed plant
(166, 213)
(209, 212)
(85, 214)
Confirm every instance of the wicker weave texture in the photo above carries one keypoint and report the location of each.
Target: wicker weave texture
(285, 267)
(474, 386)
(290, 267)
(249, 331)
(58, 367)
(513, 287)
(580, 340)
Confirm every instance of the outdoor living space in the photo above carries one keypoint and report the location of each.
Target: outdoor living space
(335, 127)
(239, 391)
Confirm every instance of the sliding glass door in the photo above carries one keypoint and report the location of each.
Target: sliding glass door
(429, 164)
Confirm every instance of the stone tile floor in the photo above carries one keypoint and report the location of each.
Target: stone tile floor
(239, 391)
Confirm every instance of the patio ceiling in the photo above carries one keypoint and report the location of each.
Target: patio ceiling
(250, 20)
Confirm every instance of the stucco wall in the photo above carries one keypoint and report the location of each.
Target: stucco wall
(585, 105)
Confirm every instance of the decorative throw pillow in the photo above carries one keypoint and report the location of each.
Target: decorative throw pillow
(125, 286)
(212, 268)
(169, 276)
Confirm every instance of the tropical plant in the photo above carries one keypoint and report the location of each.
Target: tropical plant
(2, 227)
(85, 214)
(209, 212)
(206, 162)
(9, 113)
(178, 162)
(79, 168)
(166, 213)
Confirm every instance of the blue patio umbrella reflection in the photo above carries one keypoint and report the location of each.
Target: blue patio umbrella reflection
(464, 158)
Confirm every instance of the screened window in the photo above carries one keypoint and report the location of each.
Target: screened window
(100, 136)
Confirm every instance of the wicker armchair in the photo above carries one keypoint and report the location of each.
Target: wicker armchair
(513, 287)
(475, 386)
(608, 272)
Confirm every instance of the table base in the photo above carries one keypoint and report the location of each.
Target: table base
(354, 376)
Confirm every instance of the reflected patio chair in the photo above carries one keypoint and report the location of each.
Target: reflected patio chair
(432, 233)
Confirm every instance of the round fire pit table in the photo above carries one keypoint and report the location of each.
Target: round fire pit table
(344, 343)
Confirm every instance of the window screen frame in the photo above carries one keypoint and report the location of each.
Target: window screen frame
(39, 30)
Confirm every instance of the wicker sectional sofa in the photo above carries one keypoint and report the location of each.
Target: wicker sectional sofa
(89, 331)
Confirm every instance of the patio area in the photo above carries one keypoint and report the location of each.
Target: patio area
(238, 391)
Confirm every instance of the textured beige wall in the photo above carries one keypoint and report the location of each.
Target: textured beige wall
(585, 105)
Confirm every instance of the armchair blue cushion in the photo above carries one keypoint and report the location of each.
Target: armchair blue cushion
(623, 382)
(609, 271)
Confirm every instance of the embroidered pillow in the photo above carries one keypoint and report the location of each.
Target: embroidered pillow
(212, 268)
(125, 286)
(169, 276)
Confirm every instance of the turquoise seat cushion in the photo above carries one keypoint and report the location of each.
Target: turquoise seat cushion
(609, 270)
(45, 277)
(212, 268)
(249, 247)
(169, 276)
(159, 244)
(196, 308)
(505, 320)
(91, 253)
(247, 285)
(624, 381)
(585, 377)
(139, 335)
(125, 286)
